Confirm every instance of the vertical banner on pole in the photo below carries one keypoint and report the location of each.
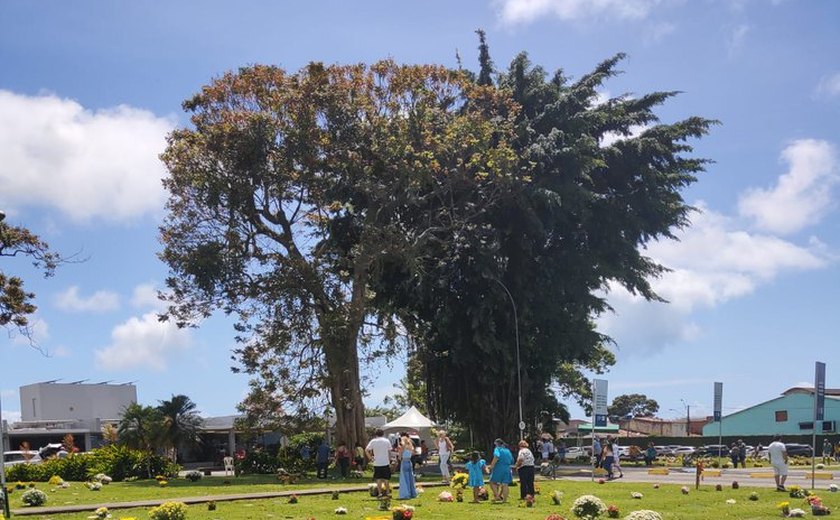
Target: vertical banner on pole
(819, 387)
(718, 401)
(819, 412)
(600, 409)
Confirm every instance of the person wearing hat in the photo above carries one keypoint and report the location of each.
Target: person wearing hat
(499, 470)
(525, 468)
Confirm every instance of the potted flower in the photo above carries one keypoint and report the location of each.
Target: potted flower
(588, 507)
(613, 511)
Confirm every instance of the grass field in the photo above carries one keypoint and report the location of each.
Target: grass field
(704, 503)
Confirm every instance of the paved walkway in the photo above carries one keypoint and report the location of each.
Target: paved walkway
(797, 475)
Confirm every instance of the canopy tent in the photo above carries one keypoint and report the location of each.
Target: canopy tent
(410, 420)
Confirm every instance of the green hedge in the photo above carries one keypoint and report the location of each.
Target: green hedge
(118, 462)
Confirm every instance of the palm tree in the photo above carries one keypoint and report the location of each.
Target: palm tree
(140, 428)
(180, 423)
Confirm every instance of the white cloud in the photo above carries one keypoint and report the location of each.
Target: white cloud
(146, 296)
(657, 32)
(737, 38)
(802, 196)
(829, 85)
(100, 301)
(61, 351)
(610, 138)
(741, 262)
(524, 11)
(143, 342)
(88, 164)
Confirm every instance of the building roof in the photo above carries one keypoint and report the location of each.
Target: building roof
(810, 390)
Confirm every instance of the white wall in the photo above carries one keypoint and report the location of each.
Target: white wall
(57, 401)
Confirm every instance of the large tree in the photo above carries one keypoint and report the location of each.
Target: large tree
(291, 192)
(585, 197)
(637, 405)
(16, 303)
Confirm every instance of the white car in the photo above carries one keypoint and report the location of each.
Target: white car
(11, 458)
(684, 450)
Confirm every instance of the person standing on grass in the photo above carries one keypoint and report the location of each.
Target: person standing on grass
(408, 486)
(827, 450)
(650, 454)
(597, 452)
(359, 457)
(475, 469)
(379, 452)
(322, 459)
(525, 468)
(742, 453)
(342, 458)
(499, 470)
(778, 459)
(445, 449)
(616, 451)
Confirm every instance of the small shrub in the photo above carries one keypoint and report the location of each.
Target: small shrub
(169, 511)
(193, 476)
(34, 498)
(211, 506)
(718, 487)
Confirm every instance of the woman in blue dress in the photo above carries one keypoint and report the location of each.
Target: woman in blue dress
(408, 487)
(499, 469)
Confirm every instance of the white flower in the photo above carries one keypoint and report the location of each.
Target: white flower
(684, 490)
(730, 501)
(445, 496)
(588, 506)
(636, 495)
(796, 513)
(833, 488)
(341, 510)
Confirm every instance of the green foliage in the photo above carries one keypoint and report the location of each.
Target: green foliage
(34, 497)
(15, 302)
(118, 462)
(169, 511)
(179, 423)
(288, 457)
(637, 405)
(256, 463)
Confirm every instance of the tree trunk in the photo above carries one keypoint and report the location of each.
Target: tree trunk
(345, 393)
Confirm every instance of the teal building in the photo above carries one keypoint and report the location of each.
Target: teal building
(790, 414)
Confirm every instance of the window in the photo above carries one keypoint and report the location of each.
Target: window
(781, 415)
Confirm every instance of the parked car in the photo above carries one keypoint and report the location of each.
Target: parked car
(684, 450)
(713, 450)
(11, 458)
(664, 451)
(793, 450)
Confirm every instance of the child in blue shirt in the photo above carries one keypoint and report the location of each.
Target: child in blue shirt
(475, 468)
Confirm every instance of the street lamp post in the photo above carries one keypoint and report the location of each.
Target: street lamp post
(687, 418)
(518, 364)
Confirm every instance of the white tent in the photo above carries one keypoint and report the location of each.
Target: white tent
(410, 420)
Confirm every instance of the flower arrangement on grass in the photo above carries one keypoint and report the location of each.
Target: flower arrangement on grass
(529, 500)
(419, 488)
(445, 496)
(636, 495)
(193, 476)
(100, 513)
(169, 511)
(753, 496)
(341, 510)
(718, 487)
(656, 486)
(796, 492)
(385, 503)
(335, 495)
(817, 507)
(357, 474)
(20, 485)
(211, 506)
(796, 513)
(556, 497)
(459, 495)
(820, 466)
(373, 490)
(34, 498)
(684, 490)
(55, 480)
(588, 507)
(601, 481)
(643, 514)
(833, 488)
(459, 480)
(160, 477)
(163, 483)
(293, 499)
(105, 479)
(735, 484)
(613, 511)
(402, 512)
(554, 516)
(730, 501)
(93, 486)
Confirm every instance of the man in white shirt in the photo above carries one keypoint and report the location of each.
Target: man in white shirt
(778, 459)
(379, 451)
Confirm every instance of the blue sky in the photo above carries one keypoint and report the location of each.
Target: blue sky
(88, 91)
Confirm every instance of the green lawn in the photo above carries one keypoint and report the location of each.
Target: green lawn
(698, 504)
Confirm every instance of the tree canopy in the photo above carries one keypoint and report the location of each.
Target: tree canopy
(16, 303)
(584, 197)
(635, 405)
(291, 194)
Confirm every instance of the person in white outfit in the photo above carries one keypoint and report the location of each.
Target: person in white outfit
(445, 449)
(778, 459)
